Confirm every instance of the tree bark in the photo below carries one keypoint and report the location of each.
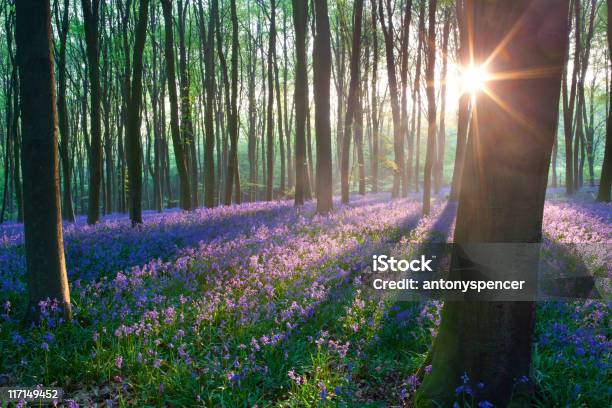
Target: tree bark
(439, 162)
(232, 115)
(44, 247)
(177, 143)
(322, 75)
(300, 17)
(374, 101)
(353, 99)
(398, 141)
(404, 94)
(91, 19)
(605, 181)
(187, 132)
(270, 118)
(431, 107)
(62, 110)
(134, 119)
(568, 106)
(501, 199)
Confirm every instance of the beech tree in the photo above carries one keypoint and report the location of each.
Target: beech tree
(300, 18)
(322, 75)
(91, 17)
(605, 181)
(430, 65)
(134, 119)
(398, 141)
(44, 246)
(177, 142)
(353, 99)
(502, 196)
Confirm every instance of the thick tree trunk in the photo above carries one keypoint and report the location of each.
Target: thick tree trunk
(134, 119)
(177, 143)
(501, 199)
(44, 247)
(322, 74)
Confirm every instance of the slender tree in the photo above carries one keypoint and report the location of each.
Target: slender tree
(464, 101)
(321, 84)
(439, 162)
(300, 17)
(44, 246)
(91, 17)
(353, 99)
(62, 110)
(568, 105)
(232, 114)
(374, 101)
(132, 130)
(186, 128)
(398, 145)
(270, 113)
(404, 42)
(605, 182)
(430, 90)
(177, 142)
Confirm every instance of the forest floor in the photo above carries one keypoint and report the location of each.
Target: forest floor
(262, 304)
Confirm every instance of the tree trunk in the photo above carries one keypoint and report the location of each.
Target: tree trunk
(300, 17)
(404, 94)
(177, 143)
(374, 101)
(501, 199)
(464, 101)
(398, 141)
(132, 128)
(91, 19)
(439, 162)
(187, 134)
(270, 118)
(431, 107)
(415, 128)
(232, 115)
(605, 181)
(44, 247)
(568, 106)
(322, 74)
(353, 99)
(62, 110)
(281, 135)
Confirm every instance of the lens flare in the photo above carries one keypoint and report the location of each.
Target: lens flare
(473, 79)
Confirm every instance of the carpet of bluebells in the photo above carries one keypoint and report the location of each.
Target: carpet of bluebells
(262, 305)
